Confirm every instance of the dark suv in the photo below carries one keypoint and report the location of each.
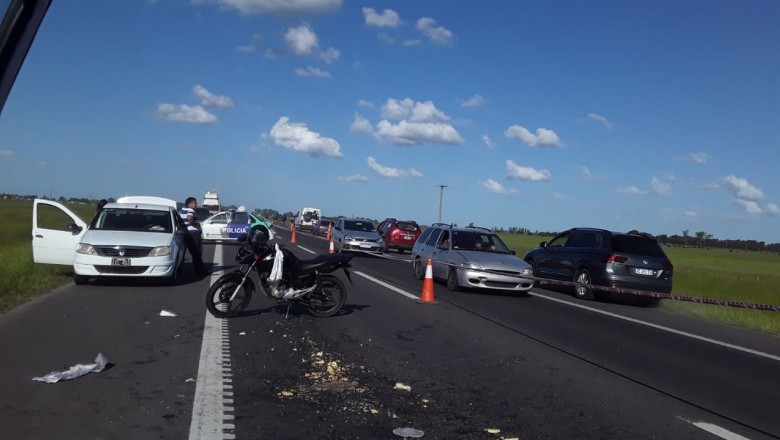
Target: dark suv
(597, 257)
(399, 234)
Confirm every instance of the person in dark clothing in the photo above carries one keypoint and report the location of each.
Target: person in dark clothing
(192, 239)
(101, 204)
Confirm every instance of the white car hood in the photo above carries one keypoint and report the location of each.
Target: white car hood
(126, 238)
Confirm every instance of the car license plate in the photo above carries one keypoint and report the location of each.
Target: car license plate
(640, 271)
(408, 237)
(120, 261)
(365, 245)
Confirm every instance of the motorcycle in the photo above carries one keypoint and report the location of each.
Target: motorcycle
(306, 282)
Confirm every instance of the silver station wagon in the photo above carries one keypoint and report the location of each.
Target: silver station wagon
(470, 258)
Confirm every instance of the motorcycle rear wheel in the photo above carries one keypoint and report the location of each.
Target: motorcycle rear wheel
(329, 300)
(218, 298)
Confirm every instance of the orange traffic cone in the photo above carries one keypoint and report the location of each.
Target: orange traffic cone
(292, 239)
(427, 292)
(328, 236)
(331, 250)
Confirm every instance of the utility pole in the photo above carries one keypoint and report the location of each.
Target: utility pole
(441, 198)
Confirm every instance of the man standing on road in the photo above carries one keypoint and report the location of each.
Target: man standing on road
(192, 240)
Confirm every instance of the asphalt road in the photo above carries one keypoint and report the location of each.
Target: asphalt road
(531, 366)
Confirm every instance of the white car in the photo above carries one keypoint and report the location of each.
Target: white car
(134, 237)
(229, 225)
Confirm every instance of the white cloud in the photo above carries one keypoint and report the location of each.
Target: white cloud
(365, 103)
(361, 125)
(586, 173)
(298, 137)
(246, 48)
(474, 101)
(742, 188)
(559, 196)
(302, 40)
(542, 138)
(690, 215)
(772, 209)
(517, 172)
(6, 153)
(600, 119)
(208, 99)
(312, 71)
(660, 188)
(388, 18)
(414, 42)
(330, 55)
(631, 190)
(700, 158)
(393, 173)
(415, 133)
(353, 178)
(496, 188)
(438, 35)
(413, 111)
(488, 143)
(185, 113)
(285, 7)
(750, 206)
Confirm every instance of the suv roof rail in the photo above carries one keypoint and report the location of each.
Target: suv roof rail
(441, 224)
(478, 227)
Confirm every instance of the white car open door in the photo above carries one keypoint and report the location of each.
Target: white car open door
(56, 231)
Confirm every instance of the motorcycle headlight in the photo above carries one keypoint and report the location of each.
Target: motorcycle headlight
(472, 266)
(86, 249)
(160, 251)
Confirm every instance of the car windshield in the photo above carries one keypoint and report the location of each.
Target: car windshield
(632, 244)
(480, 242)
(407, 226)
(358, 226)
(135, 220)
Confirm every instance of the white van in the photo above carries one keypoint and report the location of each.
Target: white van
(306, 218)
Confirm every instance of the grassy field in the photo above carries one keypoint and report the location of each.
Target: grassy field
(710, 273)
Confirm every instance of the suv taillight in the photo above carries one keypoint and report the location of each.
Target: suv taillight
(616, 259)
(395, 232)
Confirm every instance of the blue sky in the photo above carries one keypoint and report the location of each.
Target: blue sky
(660, 116)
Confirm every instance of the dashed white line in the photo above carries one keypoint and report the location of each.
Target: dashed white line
(715, 430)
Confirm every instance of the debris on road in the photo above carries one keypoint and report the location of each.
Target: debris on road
(75, 371)
(408, 432)
(167, 313)
(400, 386)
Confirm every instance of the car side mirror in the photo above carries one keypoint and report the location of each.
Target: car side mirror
(543, 244)
(513, 252)
(74, 228)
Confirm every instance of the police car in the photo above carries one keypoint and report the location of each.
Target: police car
(229, 225)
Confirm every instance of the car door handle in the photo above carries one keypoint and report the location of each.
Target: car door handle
(38, 236)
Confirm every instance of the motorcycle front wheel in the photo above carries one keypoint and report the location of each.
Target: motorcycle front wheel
(329, 300)
(218, 297)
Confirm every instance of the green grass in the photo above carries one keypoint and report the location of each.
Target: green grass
(20, 279)
(750, 277)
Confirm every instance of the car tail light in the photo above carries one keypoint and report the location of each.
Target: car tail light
(616, 259)
(668, 266)
(395, 233)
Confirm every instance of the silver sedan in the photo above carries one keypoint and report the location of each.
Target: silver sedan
(357, 235)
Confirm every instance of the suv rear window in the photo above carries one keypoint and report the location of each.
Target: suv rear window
(406, 226)
(633, 244)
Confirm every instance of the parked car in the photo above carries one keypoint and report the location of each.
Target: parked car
(356, 235)
(399, 234)
(134, 237)
(322, 226)
(229, 225)
(469, 258)
(598, 257)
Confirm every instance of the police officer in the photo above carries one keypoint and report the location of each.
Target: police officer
(192, 239)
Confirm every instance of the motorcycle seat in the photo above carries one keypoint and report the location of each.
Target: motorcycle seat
(322, 261)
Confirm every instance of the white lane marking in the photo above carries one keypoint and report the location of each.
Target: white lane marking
(307, 250)
(660, 327)
(384, 284)
(715, 430)
(212, 389)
